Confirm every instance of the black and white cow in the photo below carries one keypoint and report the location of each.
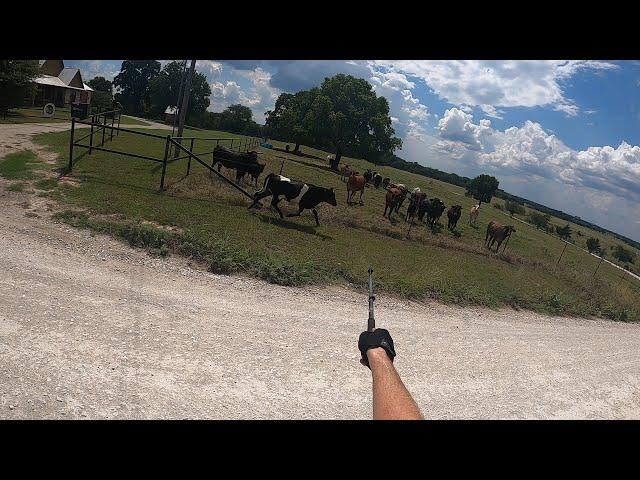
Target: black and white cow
(304, 195)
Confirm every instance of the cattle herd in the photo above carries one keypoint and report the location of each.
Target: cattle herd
(307, 196)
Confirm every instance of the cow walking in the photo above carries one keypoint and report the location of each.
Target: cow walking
(415, 200)
(377, 180)
(454, 215)
(355, 183)
(433, 208)
(473, 214)
(243, 163)
(497, 233)
(306, 196)
(391, 200)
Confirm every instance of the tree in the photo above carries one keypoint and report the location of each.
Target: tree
(564, 232)
(16, 83)
(483, 187)
(514, 207)
(344, 115)
(539, 220)
(102, 100)
(101, 84)
(164, 89)
(593, 245)
(623, 254)
(133, 84)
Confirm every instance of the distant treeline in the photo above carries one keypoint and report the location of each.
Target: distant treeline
(414, 167)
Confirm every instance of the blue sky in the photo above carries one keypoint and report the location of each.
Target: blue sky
(563, 133)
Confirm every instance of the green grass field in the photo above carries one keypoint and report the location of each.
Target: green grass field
(62, 115)
(213, 224)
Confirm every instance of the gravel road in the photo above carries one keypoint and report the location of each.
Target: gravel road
(90, 328)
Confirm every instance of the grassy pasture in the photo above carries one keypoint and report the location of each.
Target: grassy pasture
(62, 115)
(211, 222)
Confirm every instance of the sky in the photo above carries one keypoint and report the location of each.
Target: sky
(564, 133)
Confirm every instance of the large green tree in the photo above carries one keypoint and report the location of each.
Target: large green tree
(482, 188)
(16, 83)
(593, 245)
(165, 88)
(133, 84)
(344, 115)
(101, 84)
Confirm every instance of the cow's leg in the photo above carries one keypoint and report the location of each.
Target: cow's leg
(315, 214)
(498, 243)
(274, 203)
(300, 209)
(259, 196)
(361, 193)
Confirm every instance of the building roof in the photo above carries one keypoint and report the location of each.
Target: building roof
(171, 110)
(56, 82)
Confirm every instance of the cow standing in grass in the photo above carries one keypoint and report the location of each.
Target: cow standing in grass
(305, 196)
(454, 215)
(385, 182)
(377, 180)
(345, 171)
(433, 208)
(355, 183)
(497, 233)
(473, 214)
(415, 200)
(393, 197)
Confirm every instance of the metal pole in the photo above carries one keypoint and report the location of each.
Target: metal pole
(371, 322)
(185, 104)
(179, 100)
(565, 247)
(73, 128)
(104, 127)
(601, 259)
(93, 120)
(189, 164)
(164, 163)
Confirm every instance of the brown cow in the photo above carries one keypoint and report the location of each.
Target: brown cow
(393, 197)
(454, 215)
(497, 233)
(355, 183)
(345, 171)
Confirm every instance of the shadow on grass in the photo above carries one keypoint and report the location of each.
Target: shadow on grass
(281, 222)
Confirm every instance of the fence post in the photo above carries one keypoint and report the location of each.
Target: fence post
(73, 128)
(565, 247)
(119, 115)
(113, 119)
(104, 127)
(231, 148)
(601, 259)
(164, 163)
(191, 152)
(93, 120)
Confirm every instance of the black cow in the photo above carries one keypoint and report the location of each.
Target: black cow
(241, 162)
(305, 195)
(253, 170)
(368, 175)
(377, 180)
(386, 181)
(433, 208)
(415, 200)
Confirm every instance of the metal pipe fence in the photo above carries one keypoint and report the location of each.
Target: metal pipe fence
(99, 124)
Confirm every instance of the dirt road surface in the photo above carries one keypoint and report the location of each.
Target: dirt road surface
(90, 328)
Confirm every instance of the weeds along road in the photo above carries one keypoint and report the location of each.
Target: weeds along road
(90, 328)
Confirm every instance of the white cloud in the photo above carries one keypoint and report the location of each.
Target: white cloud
(486, 84)
(530, 150)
